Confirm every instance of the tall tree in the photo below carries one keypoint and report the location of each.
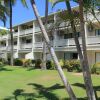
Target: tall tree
(52, 52)
(44, 44)
(83, 57)
(86, 72)
(11, 3)
(4, 12)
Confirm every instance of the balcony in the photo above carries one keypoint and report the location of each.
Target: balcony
(27, 31)
(15, 34)
(14, 47)
(93, 40)
(3, 37)
(3, 48)
(26, 46)
(37, 29)
(38, 45)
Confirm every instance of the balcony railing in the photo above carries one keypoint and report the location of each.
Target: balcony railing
(93, 40)
(26, 46)
(27, 31)
(15, 34)
(38, 45)
(37, 29)
(14, 47)
(3, 48)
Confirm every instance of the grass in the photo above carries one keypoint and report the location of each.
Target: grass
(22, 84)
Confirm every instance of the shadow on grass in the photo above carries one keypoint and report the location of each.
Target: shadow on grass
(44, 93)
(96, 88)
(3, 68)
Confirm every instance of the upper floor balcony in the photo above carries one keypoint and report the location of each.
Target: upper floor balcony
(3, 37)
(3, 48)
(26, 31)
(91, 41)
(15, 34)
(25, 46)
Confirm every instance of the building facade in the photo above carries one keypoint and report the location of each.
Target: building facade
(28, 41)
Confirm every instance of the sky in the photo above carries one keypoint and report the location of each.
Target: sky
(22, 14)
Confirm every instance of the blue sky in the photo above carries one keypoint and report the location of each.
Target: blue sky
(22, 14)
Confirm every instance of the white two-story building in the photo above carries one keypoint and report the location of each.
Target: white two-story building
(28, 41)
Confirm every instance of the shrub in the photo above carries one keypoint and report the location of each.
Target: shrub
(26, 62)
(73, 65)
(18, 62)
(50, 64)
(61, 62)
(1, 64)
(96, 68)
(3, 61)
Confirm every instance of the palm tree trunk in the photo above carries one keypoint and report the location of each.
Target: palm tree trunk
(87, 75)
(83, 57)
(11, 33)
(44, 44)
(53, 55)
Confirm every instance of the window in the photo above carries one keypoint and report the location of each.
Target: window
(97, 31)
(29, 41)
(74, 56)
(67, 36)
(70, 55)
(15, 42)
(3, 43)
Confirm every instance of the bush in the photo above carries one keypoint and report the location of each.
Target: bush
(61, 62)
(50, 64)
(73, 65)
(18, 62)
(3, 61)
(96, 68)
(26, 62)
(1, 64)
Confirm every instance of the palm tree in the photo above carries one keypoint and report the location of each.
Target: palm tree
(83, 57)
(86, 72)
(52, 52)
(44, 44)
(11, 3)
(4, 12)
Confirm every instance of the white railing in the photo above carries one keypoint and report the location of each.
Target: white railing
(3, 48)
(37, 29)
(14, 47)
(61, 42)
(26, 46)
(3, 37)
(27, 31)
(15, 34)
(38, 45)
(93, 40)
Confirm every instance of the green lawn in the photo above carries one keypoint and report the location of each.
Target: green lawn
(22, 84)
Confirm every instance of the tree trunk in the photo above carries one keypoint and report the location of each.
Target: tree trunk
(87, 74)
(11, 33)
(44, 44)
(53, 55)
(83, 57)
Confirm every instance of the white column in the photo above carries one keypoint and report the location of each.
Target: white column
(33, 39)
(86, 32)
(7, 45)
(55, 31)
(18, 41)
